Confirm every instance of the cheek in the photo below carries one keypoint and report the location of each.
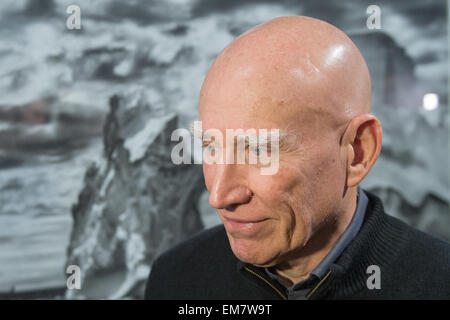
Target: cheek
(273, 189)
(324, 186)
(286, 195)
(295, 194)
(330, 171)
(322, 165)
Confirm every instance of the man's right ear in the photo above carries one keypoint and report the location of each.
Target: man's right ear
(363, 140)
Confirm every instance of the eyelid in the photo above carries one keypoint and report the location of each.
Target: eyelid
(206, 143)
(259, 145)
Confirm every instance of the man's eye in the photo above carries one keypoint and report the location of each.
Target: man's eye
(210, 147)
(256, 150)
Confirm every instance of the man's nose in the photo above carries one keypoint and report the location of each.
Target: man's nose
(228, 189)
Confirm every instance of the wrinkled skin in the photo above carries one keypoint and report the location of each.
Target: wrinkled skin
(303, 76)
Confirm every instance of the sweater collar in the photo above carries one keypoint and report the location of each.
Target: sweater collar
(377, 243)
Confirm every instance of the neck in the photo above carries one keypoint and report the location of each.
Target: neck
(299, 266)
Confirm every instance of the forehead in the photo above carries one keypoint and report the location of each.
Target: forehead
(264, 111)
(258, 98)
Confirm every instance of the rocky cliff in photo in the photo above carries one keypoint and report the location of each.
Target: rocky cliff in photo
(135, 204)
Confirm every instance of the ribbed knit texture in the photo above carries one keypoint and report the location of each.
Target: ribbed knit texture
(378, 243)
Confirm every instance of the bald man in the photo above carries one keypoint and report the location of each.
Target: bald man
(307, 231)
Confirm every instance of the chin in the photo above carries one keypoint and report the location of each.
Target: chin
(254, 253)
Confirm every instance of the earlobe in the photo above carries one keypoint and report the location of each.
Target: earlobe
(364, 147)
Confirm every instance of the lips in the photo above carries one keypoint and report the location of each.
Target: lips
(247, 226)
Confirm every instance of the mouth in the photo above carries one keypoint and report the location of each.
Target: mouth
(243, 225)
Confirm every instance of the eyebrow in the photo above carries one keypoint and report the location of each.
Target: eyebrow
(282, 137)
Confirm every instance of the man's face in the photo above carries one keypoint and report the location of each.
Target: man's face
(269, 218)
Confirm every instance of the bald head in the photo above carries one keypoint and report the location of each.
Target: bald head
(294, 64)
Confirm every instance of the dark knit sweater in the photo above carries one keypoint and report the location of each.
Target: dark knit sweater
(413, 265)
